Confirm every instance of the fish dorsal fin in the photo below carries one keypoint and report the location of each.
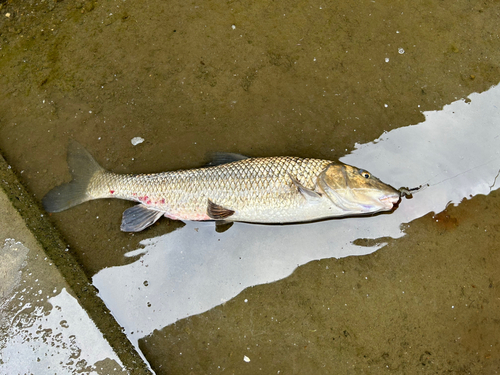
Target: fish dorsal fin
(306, 193)
(216, 212)
(219, 158)
(138, 218)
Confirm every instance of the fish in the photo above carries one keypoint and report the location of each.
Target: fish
(233, 187)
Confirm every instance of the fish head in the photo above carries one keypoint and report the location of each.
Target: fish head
(355, 190)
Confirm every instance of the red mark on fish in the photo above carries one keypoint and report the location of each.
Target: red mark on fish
(145, 199)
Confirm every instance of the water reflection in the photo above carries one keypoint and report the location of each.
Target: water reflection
(193, 269)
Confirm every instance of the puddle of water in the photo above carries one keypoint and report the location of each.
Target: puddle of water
(194, 268)
(58, 339)
(50, 334)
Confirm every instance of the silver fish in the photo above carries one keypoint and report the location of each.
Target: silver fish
(234, 188)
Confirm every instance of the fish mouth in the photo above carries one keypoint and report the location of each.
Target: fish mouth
(389, 200)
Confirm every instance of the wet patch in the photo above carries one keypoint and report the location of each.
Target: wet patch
(445, 221)
(12, 259)
(55, 336)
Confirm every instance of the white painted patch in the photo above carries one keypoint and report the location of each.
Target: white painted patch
(137, 140)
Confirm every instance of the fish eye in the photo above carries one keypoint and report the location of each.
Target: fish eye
(365, 174)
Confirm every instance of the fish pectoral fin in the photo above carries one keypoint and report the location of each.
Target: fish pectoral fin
(219, 158)
(138, 218)
(307, 193)
(222, 225)
(216, 212)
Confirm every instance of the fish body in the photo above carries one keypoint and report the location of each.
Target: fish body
(258, 190)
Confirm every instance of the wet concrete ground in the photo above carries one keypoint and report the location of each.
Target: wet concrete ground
(289, 78)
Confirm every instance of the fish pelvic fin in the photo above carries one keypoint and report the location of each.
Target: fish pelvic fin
(139, 217)
(82, 167)
(216, 212)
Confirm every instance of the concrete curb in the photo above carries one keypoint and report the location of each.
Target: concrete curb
(54, 247)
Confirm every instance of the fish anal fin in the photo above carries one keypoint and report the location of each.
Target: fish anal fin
(216, 212)
(306, 192)
(219, 158)
(138, 218)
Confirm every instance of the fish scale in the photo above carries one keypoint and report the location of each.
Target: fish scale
(265, 190)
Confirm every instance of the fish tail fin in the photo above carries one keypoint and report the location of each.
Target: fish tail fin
(82, 167)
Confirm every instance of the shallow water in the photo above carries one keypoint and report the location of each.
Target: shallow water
(348, 80)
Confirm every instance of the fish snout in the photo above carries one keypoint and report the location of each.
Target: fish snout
(390, 200)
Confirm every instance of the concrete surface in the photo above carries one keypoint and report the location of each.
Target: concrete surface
(44, 327)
